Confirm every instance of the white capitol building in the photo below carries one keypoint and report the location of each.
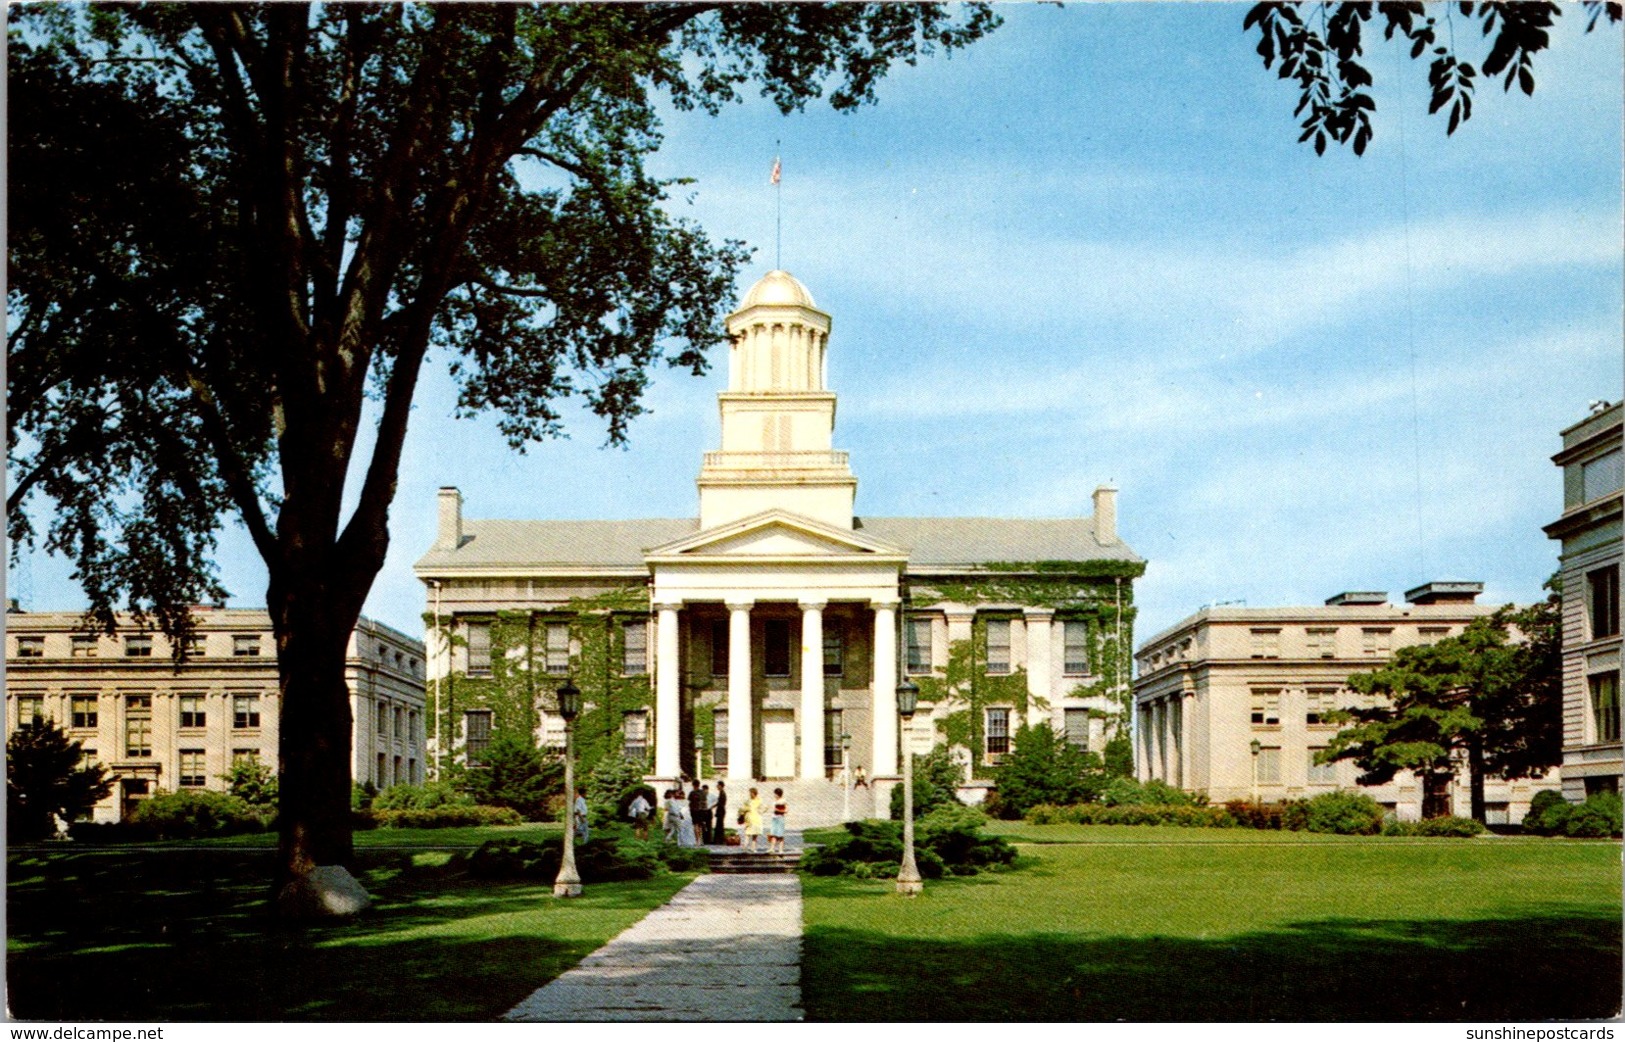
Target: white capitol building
(764, 637)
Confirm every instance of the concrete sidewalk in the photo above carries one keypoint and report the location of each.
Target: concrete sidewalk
(726, 947)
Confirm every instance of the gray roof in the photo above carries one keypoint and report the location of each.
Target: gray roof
(622, 544)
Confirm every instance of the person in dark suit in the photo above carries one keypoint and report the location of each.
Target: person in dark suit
(719, 816)
(699, 813)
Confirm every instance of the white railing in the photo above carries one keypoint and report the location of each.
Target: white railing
(780, 460)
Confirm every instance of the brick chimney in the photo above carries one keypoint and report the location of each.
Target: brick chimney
(1105, 515)
(450, 536)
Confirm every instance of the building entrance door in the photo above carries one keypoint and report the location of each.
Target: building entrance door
(778, 744)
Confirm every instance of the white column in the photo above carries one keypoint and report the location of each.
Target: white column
(884, 724)
(741, 754)
(812, 689)
(668, 694)
(1038, 667)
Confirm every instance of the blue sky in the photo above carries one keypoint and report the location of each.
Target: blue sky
(1090, 249)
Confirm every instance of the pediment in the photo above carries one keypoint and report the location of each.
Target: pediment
(774, 534)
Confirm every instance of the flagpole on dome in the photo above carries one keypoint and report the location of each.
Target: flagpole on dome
(778, 218)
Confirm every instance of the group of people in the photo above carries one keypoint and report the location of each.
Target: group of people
(700, 818)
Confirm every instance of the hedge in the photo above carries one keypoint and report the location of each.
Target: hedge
(444, 817)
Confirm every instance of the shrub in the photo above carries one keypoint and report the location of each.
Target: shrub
(1132, 814)
(1120, 792)
(45, 780)
(610, 786)
(947, 839)
(610, 857)
(1256, 815)
(1119, 756)
(362, 794)
(514, 773)
(1543, 801)
(427, 796)
(1448, 826)
(936, 780)
(253, 782)
(1340, 813)
(1042, 767)
(443, 817)
(1598, 816)
(195, 813)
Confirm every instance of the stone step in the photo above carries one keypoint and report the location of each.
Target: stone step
(754, 864)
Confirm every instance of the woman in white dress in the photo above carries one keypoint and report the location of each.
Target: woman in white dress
(677, 812)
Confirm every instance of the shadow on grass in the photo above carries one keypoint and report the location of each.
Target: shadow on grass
(1536, 966)
(187, 937)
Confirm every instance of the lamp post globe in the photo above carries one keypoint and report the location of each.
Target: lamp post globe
(1256, 746)
(568, 883)
(908, 876)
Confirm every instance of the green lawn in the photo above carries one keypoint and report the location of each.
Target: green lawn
(376, 839)
(1166, 924)
(166, 934)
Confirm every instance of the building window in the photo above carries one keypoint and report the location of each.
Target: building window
(1320, 773)
(1601, 476)
(919, 647)
(1602, 601)
(834, 648)
(196, 645)
(411, 725)
(1269, 765)
(553, 733)
(192, 714)
(87, 756)
(1604, 706)
(1319, 701)
(1075, 648)
(776, 655)
(719, 738)
(245, 645)
(138, 645)
(30, 710)
(476, 736)
(412, 772)
(635, 649)
(83, 645)
(635, 735)
(245, 712)
(412, 665)
(30, 647)
(834, 755)
(193, 772)
(998, 645)
(83, 711)
(1374, 641)
(244, 757)
(1321, 642)
(558, 648)
(1428, 635)
(479, 649)
(1266, 707)
(397, 777)
(719, 647)
(1077, 727)
(1266, 643)
(380, 724)
(400, 718)
(379, 777)
(138, 726)
(998, 732)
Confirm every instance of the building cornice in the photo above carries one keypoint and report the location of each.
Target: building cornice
(1587, 515)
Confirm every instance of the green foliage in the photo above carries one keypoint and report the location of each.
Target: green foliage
(1597, 817)
(1119, 756)
(45, 780)
(614, 856)
(427, 796)
(443, 816)
(253, 782)
(196, 813)
(1182, 815)
(362, 794)
(1041, 767)
(515, 774)
(1120, 792)
(1325, 56)
(1543, 803)
(1341, 813)
(947, 840)
(611, 786)
(1480, 693)
(937, 776)
(1448, 826)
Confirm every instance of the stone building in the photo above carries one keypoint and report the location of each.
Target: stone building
(1591, 536)
(1214, 684)
(156, 726)
(764, 637)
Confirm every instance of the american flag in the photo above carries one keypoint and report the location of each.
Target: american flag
(776, 169)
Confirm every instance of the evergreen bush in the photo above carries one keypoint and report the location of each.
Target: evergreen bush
(427, 796)
(1597, 817)
(196, 813)
(936, 782)
(1339, 813)
(946, 840)
(446, 816)
(613, 856)
(1132, 814)
(253, 782)
(514, 773)
(1448, 826)
(1042, 767)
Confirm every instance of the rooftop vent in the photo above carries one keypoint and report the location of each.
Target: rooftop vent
(1349, 598)
(1445, 593)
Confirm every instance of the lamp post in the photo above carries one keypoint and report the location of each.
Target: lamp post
(908, 877)
(846, 778)
(568, 884)
(699, 757)
(1255, 746)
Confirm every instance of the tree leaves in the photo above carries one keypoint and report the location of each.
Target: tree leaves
(1333, 93)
